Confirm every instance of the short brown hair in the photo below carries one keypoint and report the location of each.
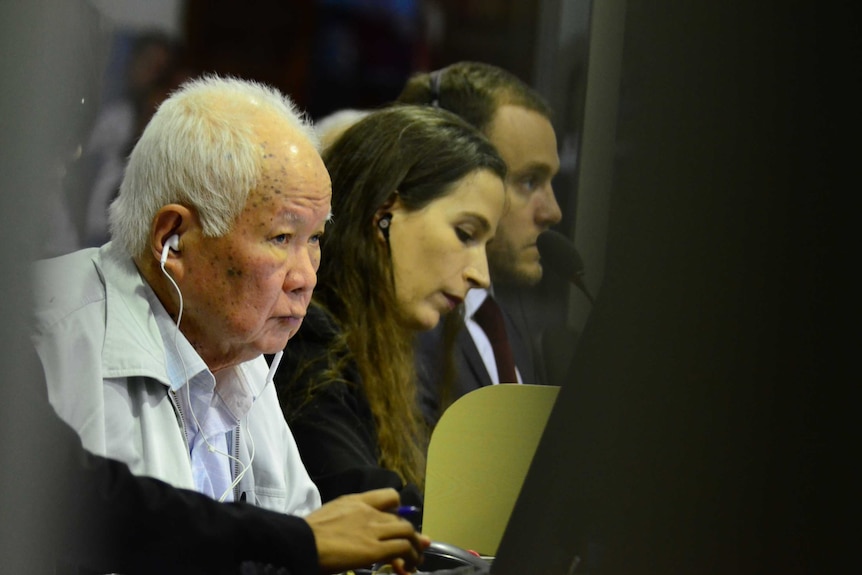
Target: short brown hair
(472, 90)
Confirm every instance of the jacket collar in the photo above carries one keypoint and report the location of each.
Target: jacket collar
(130, 322)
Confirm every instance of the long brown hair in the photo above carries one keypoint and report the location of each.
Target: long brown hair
(418, 152)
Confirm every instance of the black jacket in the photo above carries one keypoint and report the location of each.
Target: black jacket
(334, 429)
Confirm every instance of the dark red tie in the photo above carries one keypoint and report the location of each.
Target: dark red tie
(490, 319)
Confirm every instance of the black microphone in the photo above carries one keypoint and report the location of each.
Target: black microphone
(563, 258)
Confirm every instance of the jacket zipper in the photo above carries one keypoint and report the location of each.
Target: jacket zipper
(236, 470)
(180, 419)
(182, 422)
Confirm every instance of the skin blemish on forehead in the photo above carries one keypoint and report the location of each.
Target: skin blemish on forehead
(276, 187)
(233, 272)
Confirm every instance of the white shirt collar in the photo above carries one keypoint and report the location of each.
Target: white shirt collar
(473, 300)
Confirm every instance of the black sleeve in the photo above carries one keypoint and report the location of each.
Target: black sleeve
(143, 525)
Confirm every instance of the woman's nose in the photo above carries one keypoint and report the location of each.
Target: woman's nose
(476, 273)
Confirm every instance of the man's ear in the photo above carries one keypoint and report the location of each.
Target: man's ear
(169, 225)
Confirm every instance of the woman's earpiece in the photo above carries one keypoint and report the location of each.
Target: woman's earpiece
(383, 223)
(173, 243)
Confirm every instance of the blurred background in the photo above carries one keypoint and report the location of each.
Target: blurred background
(334, 54)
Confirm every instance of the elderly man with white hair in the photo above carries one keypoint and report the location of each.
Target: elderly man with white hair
(153, 344)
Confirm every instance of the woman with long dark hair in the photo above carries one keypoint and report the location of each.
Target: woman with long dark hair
(417, 194)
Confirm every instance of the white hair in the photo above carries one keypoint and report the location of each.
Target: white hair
(200, 150)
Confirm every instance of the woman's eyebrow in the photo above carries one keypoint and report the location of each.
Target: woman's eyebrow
(478, 219)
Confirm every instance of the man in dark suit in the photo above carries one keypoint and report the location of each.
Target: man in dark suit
(488, 347)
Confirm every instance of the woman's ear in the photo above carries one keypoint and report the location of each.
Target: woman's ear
(383, 216)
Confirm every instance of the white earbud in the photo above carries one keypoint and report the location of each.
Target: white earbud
(173, 243)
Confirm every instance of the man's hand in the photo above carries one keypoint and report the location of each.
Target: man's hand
(356, 531)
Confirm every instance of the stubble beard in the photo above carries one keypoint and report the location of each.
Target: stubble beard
(507, 268)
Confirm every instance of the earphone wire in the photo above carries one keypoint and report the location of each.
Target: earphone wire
(210, 446)
(269, 377)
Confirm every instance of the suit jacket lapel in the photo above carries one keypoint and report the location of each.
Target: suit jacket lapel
(472, 374)
(520, 350)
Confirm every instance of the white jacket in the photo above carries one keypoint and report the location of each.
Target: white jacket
(106, 370)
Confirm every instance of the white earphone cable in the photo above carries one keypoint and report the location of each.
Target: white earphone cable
(200, 430)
